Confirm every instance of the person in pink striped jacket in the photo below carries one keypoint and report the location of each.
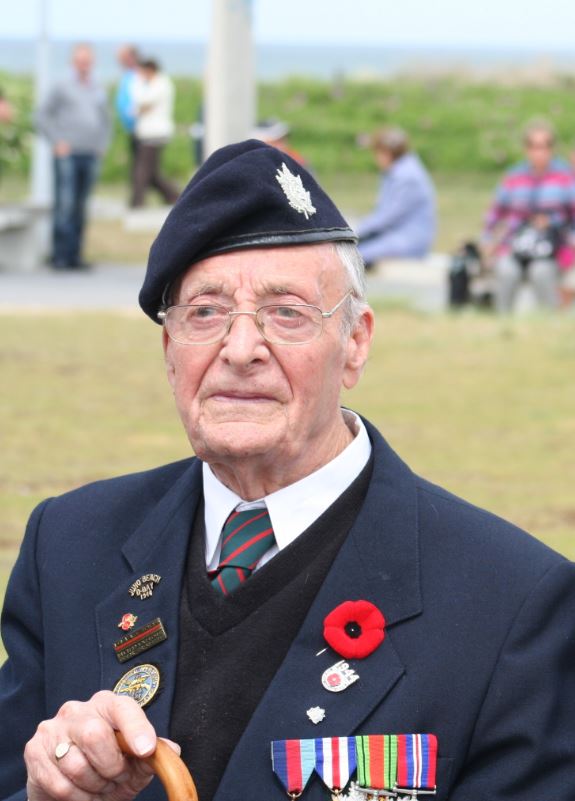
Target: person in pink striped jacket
(529, 232)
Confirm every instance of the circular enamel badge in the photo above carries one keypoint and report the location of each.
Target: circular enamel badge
(140, 683)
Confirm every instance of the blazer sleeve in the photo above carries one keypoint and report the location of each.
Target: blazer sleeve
(22, 696)
(523, 745)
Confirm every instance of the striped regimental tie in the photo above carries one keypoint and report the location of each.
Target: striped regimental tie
(245, 538)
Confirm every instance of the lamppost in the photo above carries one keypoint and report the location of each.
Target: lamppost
(230, 92)
(41, 176)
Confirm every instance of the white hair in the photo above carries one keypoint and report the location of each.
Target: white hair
(352, 262)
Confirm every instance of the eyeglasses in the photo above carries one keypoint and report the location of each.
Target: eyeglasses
(285, 324)
(538, 145)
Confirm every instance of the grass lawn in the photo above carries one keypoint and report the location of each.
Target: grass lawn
(482, 406)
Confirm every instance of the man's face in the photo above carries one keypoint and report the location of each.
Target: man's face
(539, 150)
(127, 58)
(83, 60)
(243, 398)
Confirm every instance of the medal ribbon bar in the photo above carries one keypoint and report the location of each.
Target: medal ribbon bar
(377, 761)
(293, 762)
(335, 761)
(416, 763)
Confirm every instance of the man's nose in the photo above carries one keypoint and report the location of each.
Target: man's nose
(244, 342)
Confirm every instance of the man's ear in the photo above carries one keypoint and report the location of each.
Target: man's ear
(358, 346)
(168, 360)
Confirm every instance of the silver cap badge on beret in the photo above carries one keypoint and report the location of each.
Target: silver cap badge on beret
(298, 197)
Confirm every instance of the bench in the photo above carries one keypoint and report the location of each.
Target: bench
(20, 239)
(421, 283)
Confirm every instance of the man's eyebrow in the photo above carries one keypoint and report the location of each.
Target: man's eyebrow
(279, 289)
(204, 289)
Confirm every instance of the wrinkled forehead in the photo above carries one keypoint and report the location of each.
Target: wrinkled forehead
(276, 270)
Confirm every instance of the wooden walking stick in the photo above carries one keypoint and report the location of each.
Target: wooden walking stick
(169, 768)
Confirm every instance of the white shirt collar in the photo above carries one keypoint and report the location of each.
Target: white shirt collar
(294, 508)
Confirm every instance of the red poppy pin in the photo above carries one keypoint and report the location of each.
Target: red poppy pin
(354, 629)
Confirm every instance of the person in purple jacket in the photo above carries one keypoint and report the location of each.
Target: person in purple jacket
(402, 225)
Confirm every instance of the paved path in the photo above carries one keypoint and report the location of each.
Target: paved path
(104, 287)
(113, 286)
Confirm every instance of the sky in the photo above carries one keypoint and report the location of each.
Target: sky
(433, 23)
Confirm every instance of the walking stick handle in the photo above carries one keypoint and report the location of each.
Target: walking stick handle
(169, 768)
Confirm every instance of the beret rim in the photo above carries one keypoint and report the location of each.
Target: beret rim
(277, 238)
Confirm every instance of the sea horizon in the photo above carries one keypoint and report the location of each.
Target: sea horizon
(323, 61)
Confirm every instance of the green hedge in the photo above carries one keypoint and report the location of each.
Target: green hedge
(457, 127)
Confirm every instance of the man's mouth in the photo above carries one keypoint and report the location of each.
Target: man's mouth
(240, 397)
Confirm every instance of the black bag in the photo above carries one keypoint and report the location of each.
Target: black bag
(530, 243)
(465, 264)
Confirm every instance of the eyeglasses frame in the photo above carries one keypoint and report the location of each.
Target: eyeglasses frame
(163, 313)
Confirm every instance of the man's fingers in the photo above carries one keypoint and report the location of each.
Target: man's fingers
(174, 746)
(46, 782)
(80, 772)
(126, 716)
(94, 734)
(75, 756)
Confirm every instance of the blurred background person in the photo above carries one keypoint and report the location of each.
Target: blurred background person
(128, 59)
(154, 105)
(6, 110)
(403, 223)
(75, 119)
(276, 133)
(529, 229)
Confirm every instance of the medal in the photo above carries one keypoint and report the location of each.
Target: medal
(293, 762)
(353, 794)
(140, 683)
(338, 677)
(335, 761)
(416, 764)
(377, 764)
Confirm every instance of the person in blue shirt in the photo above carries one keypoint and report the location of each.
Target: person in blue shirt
(403, 223)
(128, 59)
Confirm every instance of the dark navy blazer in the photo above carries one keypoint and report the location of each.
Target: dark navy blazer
(480, 645)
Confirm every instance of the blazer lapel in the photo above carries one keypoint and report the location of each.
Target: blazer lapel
(157, 548)
(378, 562)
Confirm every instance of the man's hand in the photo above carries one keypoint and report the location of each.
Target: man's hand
(93, 767)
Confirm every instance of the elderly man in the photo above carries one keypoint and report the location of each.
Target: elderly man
(294, 582)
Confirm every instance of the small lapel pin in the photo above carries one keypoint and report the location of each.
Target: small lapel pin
(140, 683)
(338, 677)
(144, 587)
(140, 640)
(316, 714)
(127, 622)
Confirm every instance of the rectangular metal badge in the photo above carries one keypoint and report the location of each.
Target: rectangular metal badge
(140, 640)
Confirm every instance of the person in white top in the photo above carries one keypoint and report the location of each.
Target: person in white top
(153, 95)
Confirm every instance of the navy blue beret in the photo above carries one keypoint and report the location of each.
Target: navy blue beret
(244, 196)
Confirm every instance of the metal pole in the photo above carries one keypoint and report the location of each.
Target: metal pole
(230, 90)
(41, 177)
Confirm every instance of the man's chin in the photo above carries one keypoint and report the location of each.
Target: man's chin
(236, 439)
